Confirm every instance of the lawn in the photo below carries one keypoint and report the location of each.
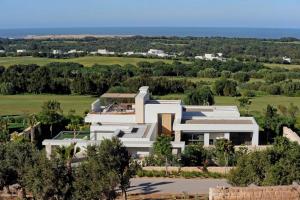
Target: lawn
(20, 104)
(86, 61)
(258, 103)
(209, 80)
(286, 66)
(25, 104)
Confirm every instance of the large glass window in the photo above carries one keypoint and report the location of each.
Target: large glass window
(193, 137)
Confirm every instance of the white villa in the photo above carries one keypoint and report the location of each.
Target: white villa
(209, 56)
(137, 121)
(56, 52)
(21, 51)
(157, 52)
(286, 60)
(105, 52)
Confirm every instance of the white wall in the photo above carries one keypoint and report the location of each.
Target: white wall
(152, 111)
(107, 118)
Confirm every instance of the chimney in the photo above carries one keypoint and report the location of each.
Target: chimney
(140, 101)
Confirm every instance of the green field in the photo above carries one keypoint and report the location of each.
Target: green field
(19, 104)
(286, 66)
(258, 103)
(86, 61)
(25, 104)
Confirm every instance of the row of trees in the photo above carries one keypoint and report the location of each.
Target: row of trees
(238, 48)
(107, 167)
(277, 165)
(67, 78)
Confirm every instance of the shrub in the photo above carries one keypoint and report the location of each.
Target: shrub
(200, 96)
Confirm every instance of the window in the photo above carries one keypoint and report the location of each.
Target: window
(193, 137)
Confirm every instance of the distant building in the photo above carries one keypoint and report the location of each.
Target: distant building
(72, 51)
(286, 60)
(128, 53)
(2, 51)
(141, 53)
(105, 52)
(56, 52)
(157, 52)
(209, 56)
(21, 51)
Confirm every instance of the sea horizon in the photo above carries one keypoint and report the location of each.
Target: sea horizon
(230, 32)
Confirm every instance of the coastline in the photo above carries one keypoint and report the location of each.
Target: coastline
(72, 36)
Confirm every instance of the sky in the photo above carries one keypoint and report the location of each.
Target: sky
(135, 13)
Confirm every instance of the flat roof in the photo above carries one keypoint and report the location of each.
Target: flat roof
(217, 121)
(119, 95)
(199, 110)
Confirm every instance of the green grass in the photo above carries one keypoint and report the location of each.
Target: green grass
(87, 61)
(26, 104)
(208, 80)
(258, 103)
(286, 66)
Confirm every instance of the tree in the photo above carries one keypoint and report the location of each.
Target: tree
(74, 122)
(48, 179)
(67, 154)
(13, 159)
(241, 77)
(32, 120)
(200, 96)
(225, 87)
(94, 181)
(277, 165)
(7, 88)
(194, 155)
(116, 158)
(245, 102)
(51, 114)
(162, 147)
(4, 132)
(224, 151)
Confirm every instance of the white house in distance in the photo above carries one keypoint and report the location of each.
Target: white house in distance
(56, 52)
(137, 121)
(105, 52)
(2, 51)
(156, 52)
(286, 60)
(208, 56)
(21, 51)
(73, 51)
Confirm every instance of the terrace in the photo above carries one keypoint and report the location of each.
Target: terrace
(66, 135)
(117, 103)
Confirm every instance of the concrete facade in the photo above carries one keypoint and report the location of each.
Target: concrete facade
(138, 123)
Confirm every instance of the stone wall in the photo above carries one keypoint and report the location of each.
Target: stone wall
(291, 135)
(221, 170)
(255, 193)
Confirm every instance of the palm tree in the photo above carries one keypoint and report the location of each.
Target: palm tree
(51, 114)
(67, 153)
(74, 125)
(32, 120)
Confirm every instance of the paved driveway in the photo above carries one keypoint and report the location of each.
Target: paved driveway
(174, 185)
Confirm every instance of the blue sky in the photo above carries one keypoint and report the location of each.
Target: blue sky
(97, 13)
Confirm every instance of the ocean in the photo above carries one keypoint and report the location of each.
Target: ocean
(267, 33)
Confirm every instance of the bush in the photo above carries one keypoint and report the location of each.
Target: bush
(7, 88)
(225, 87)
(241, 77)
(194, 155)
(278, 165)
(200, 96)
